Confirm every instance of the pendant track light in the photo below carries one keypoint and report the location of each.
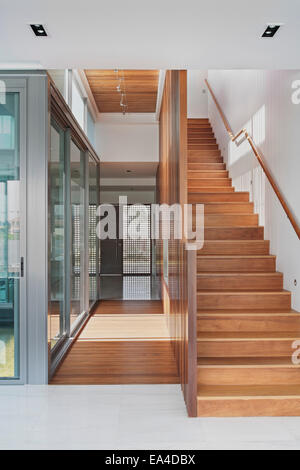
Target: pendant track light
(121, 88)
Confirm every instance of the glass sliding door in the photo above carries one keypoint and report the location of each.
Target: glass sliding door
(77, 170)
(10, 235)
(57, 305)
(93, 240)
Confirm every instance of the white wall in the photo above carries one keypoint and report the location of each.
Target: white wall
(134, 196)
(130, 138)
(197, 106)
(261, 101)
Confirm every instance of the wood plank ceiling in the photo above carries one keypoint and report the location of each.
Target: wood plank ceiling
(139, 88)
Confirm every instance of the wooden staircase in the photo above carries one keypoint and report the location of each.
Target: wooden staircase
(246, 326)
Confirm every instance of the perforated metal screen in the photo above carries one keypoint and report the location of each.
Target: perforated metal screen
(137, 252)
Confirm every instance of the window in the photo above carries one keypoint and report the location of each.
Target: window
(77, 170)
(57, 307)
(10, 212)
(90, 130)
(93, 241)
(60, 78)
(78, 105)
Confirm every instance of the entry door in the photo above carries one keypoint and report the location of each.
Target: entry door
(12, 231)
(112, 253)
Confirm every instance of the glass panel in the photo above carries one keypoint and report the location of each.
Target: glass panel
(60, 77)
(166, 260)
(9, 234)
(77, 105)
(90, 127)
(77, 224)
(56, 316)
(93, 239)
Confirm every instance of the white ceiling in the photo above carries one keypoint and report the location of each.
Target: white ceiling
(161, 34)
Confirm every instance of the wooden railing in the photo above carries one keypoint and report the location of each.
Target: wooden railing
(259, 158)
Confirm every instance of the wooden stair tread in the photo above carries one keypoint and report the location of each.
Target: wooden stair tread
(248, 391)
(245, 242)
(244, 292)
(226, 203)
(239, 274)
(241, 336)
(250, 362)
(216, 193)
(207, 171)
(247, 312)
(235, 256)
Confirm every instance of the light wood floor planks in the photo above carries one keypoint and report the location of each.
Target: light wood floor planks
(124, 327)
(120, 348)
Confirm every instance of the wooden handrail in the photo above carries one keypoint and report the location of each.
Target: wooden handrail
(259, 158)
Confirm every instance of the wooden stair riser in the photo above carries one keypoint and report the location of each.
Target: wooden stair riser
(198, 121)
(205, 161)
(240, 281)
(235, 247)
(212, 189)
(248, 406)
(246, 348)
(206, 166)
(202, 137)
(229, 220)
(208, 182)
(198, 130)
(197, 146)
(248, 323)
(199, 127)
(237, 300)
(228, 208)
(194, 174)
(233, 233)
(217, 197)
(241, 375)
(203, 134)
(202, 141)
(236, 264)
(207, 153)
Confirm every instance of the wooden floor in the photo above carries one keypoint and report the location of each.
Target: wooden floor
(129, 306)
(117, 347)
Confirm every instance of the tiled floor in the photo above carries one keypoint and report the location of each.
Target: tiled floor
(127, 417)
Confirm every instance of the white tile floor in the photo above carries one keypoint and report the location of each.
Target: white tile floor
(127, 417)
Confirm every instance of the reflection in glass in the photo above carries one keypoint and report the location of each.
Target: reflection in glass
(9, 235)
(93, 239)
(77, 229)
(56, 320)
(59, 76)
(77, 104)
(90, 124)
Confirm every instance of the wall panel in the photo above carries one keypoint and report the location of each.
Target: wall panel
(178, 295)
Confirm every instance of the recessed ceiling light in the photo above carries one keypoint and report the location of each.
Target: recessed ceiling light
(38, 29)
(271, 31)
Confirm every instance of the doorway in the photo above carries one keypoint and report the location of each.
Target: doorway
(12, 234)
(112, 252)
(126, 262)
